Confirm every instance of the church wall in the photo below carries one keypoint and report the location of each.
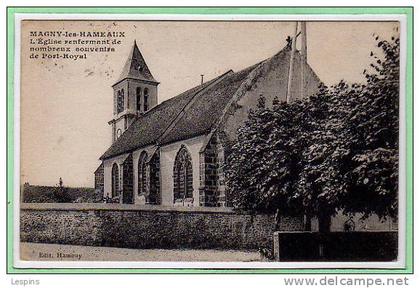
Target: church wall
(118, 87)
(99, 180)
(130, 100)
(167, 160)
(208, 174)
(119, 125)
(222, 198)
(108, 163)
(127, 180)
(132, 86)
(270, 81)
(212, 180)
(128, 115)
(138, 199)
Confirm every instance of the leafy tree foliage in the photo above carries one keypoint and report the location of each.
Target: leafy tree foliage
(373, 137)
(335, 150)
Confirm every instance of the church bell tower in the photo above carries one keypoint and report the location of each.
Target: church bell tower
(135, 93)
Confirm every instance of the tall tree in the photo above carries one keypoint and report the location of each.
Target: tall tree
(373, 135)
(335, 150)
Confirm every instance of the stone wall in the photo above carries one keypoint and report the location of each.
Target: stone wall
(127, 180)
(153, 179)
(222, 199)
(99, 179)
(371, 223)
(212, 177)
(208, 174)
(134, 226)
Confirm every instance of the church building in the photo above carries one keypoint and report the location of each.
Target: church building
(173, 153)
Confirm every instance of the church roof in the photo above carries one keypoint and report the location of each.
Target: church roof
(207, 108)
(135, 67)
(194, 112)
(147, 129)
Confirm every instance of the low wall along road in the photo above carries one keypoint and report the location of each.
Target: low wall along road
(134, 226)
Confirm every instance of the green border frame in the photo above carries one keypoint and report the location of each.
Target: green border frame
(407, 11)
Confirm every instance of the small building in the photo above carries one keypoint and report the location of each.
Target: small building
(173, 153)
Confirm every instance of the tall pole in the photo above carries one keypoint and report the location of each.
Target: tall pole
(291, 62)
(304, 53)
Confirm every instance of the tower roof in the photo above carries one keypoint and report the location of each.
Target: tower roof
(135, 67)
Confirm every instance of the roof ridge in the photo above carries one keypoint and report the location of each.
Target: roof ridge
(241, 88)
(257, 67)
(141, 117)
(178, 116)
(175, 97)
(172, 115)
(197, 86)
(235, 96)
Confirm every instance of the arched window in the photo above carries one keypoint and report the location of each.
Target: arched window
(141, 172)
(115, 181)
(119, 132)
(146, 99)
(120, 101)
(138, 98)
(183, 175)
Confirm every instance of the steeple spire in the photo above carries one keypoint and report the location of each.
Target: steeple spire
(135, 67)
(135, 92)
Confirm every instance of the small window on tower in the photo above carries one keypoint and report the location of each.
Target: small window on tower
(138, 98)
(146, 99)
(120, 101)
(118, 133)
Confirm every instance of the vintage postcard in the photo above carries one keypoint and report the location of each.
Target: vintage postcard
(150, 141)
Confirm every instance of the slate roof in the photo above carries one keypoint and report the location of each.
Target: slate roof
(189, 114)
(207, 108)
(135, 67)
(147, 129)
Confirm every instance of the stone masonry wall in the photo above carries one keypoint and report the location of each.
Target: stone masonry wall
(99, 179)
(118, 225)
(222, 199)
(208, 174)
(212, 178)
(127, 179)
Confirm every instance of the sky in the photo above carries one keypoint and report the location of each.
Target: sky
(66, 104)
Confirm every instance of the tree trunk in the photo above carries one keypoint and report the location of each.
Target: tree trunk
(277, 220)
(307, 223)
(324, 221)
